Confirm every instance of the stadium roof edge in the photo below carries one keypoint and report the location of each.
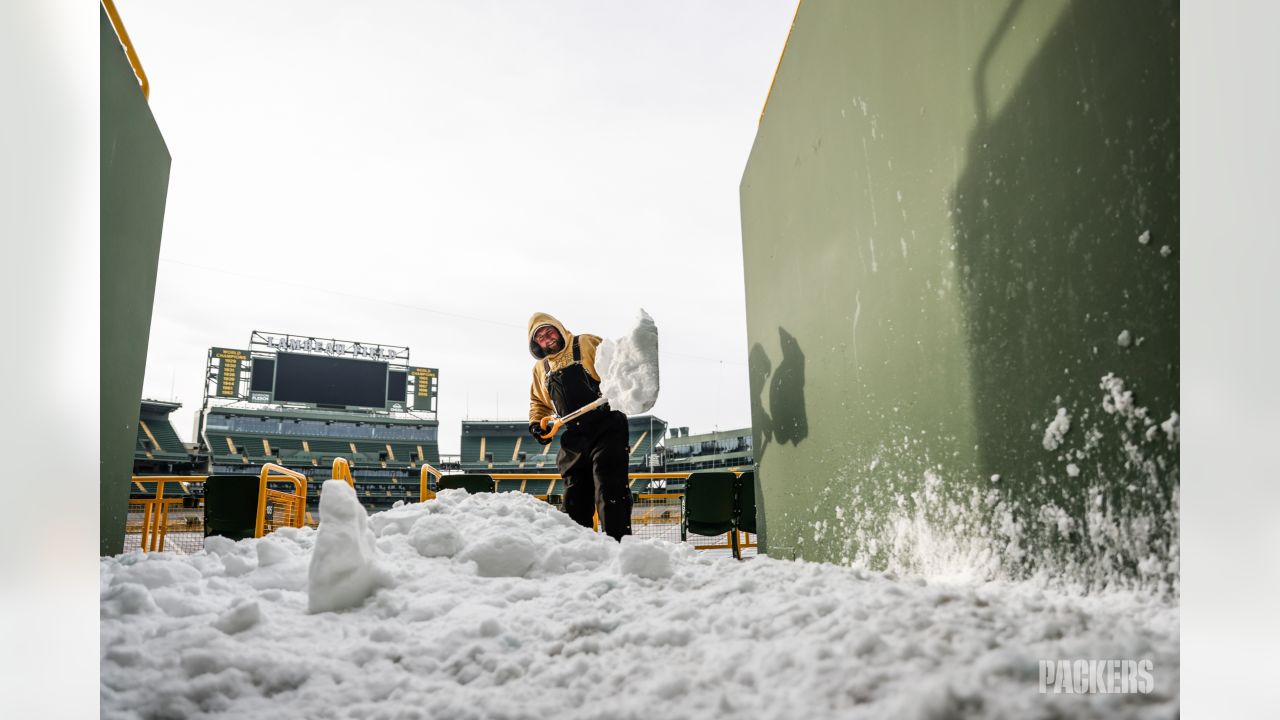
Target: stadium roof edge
(161, 405)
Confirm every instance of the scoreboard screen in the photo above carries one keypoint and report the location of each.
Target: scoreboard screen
(326, 380)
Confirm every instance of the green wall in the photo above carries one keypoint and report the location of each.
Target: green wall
(135, 181)
(941, 219)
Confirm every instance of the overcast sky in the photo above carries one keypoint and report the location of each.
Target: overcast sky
(429, 174)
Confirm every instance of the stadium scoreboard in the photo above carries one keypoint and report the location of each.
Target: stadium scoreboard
(322, 373)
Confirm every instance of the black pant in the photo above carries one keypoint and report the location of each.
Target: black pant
(593, 462)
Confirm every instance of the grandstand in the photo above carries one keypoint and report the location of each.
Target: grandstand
(505, 446)
(157, 448)
(385, 453)
(723, 449)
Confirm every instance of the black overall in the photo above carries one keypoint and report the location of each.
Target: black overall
(593, 451)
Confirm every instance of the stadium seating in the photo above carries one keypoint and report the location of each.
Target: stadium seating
(231, 506)
(472, 483)
(708, 503)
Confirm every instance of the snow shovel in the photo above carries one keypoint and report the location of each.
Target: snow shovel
(638, 346)
(558, 422)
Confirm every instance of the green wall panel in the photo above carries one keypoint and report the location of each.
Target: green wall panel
(958, 219)
(134, 185)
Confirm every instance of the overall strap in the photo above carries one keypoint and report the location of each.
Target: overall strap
(577, 353)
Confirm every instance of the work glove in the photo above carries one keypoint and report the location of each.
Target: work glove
(535, 429)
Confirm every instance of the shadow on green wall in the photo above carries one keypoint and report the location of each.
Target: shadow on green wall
(1059, 291)
(786, 421)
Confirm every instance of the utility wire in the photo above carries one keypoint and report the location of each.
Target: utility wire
(409, 306)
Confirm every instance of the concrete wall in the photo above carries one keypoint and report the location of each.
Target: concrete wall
(944, 215)
(135, 183)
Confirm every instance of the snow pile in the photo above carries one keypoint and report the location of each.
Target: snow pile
(628, 368)
(344, 569)
(498, 605)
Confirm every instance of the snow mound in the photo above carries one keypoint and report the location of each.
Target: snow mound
(499, 605)
(344, 567)
(628, 368)
(645, 558)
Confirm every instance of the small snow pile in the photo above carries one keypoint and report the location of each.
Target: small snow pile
(1145, 237)
(239, 618)
(499, 605)
(1057, 428)
(1124, 339)
(628, 368)
(645, 558)
(344, 568)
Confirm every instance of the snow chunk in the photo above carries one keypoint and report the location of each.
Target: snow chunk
(127, 599)
(344, 569)
(1073, 470)
(646, 558)
(1117, 399)
(1125, 339)
(1057, 427)
(1145, 237)
(239, 618)
(1165, 251)
(628, 368)
(1170, 427)
(502, 554)
(435, 536)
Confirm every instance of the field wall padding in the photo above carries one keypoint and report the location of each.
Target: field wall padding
(961, 251)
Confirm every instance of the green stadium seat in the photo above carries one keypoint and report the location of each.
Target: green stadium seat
(537, 487)
(472, 483)
(509, 486)
(231, 506)
(708, 505)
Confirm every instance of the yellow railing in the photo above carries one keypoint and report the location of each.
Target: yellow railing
(155, 511)
(342, 471)
(129, 52)
(427, 472)
(292, 506)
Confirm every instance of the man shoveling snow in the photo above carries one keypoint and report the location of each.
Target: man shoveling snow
(568, 393)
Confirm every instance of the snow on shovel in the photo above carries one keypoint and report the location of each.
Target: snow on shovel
(628, 370)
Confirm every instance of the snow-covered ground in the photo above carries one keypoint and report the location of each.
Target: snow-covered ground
(499, 606)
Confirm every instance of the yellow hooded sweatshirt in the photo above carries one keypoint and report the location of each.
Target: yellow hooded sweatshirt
(539, 398)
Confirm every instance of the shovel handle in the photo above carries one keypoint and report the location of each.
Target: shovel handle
(551, 424)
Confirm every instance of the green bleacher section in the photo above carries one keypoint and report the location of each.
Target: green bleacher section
(643, 434)
(505, 446)
(724, 449)
(389, 451)
(157, 448)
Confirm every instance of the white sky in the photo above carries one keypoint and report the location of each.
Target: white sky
(428, 174)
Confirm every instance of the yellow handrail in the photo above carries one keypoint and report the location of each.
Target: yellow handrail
(273, 472)
(129, 52)
(342, 471)
(424, 490)
(155, 511)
